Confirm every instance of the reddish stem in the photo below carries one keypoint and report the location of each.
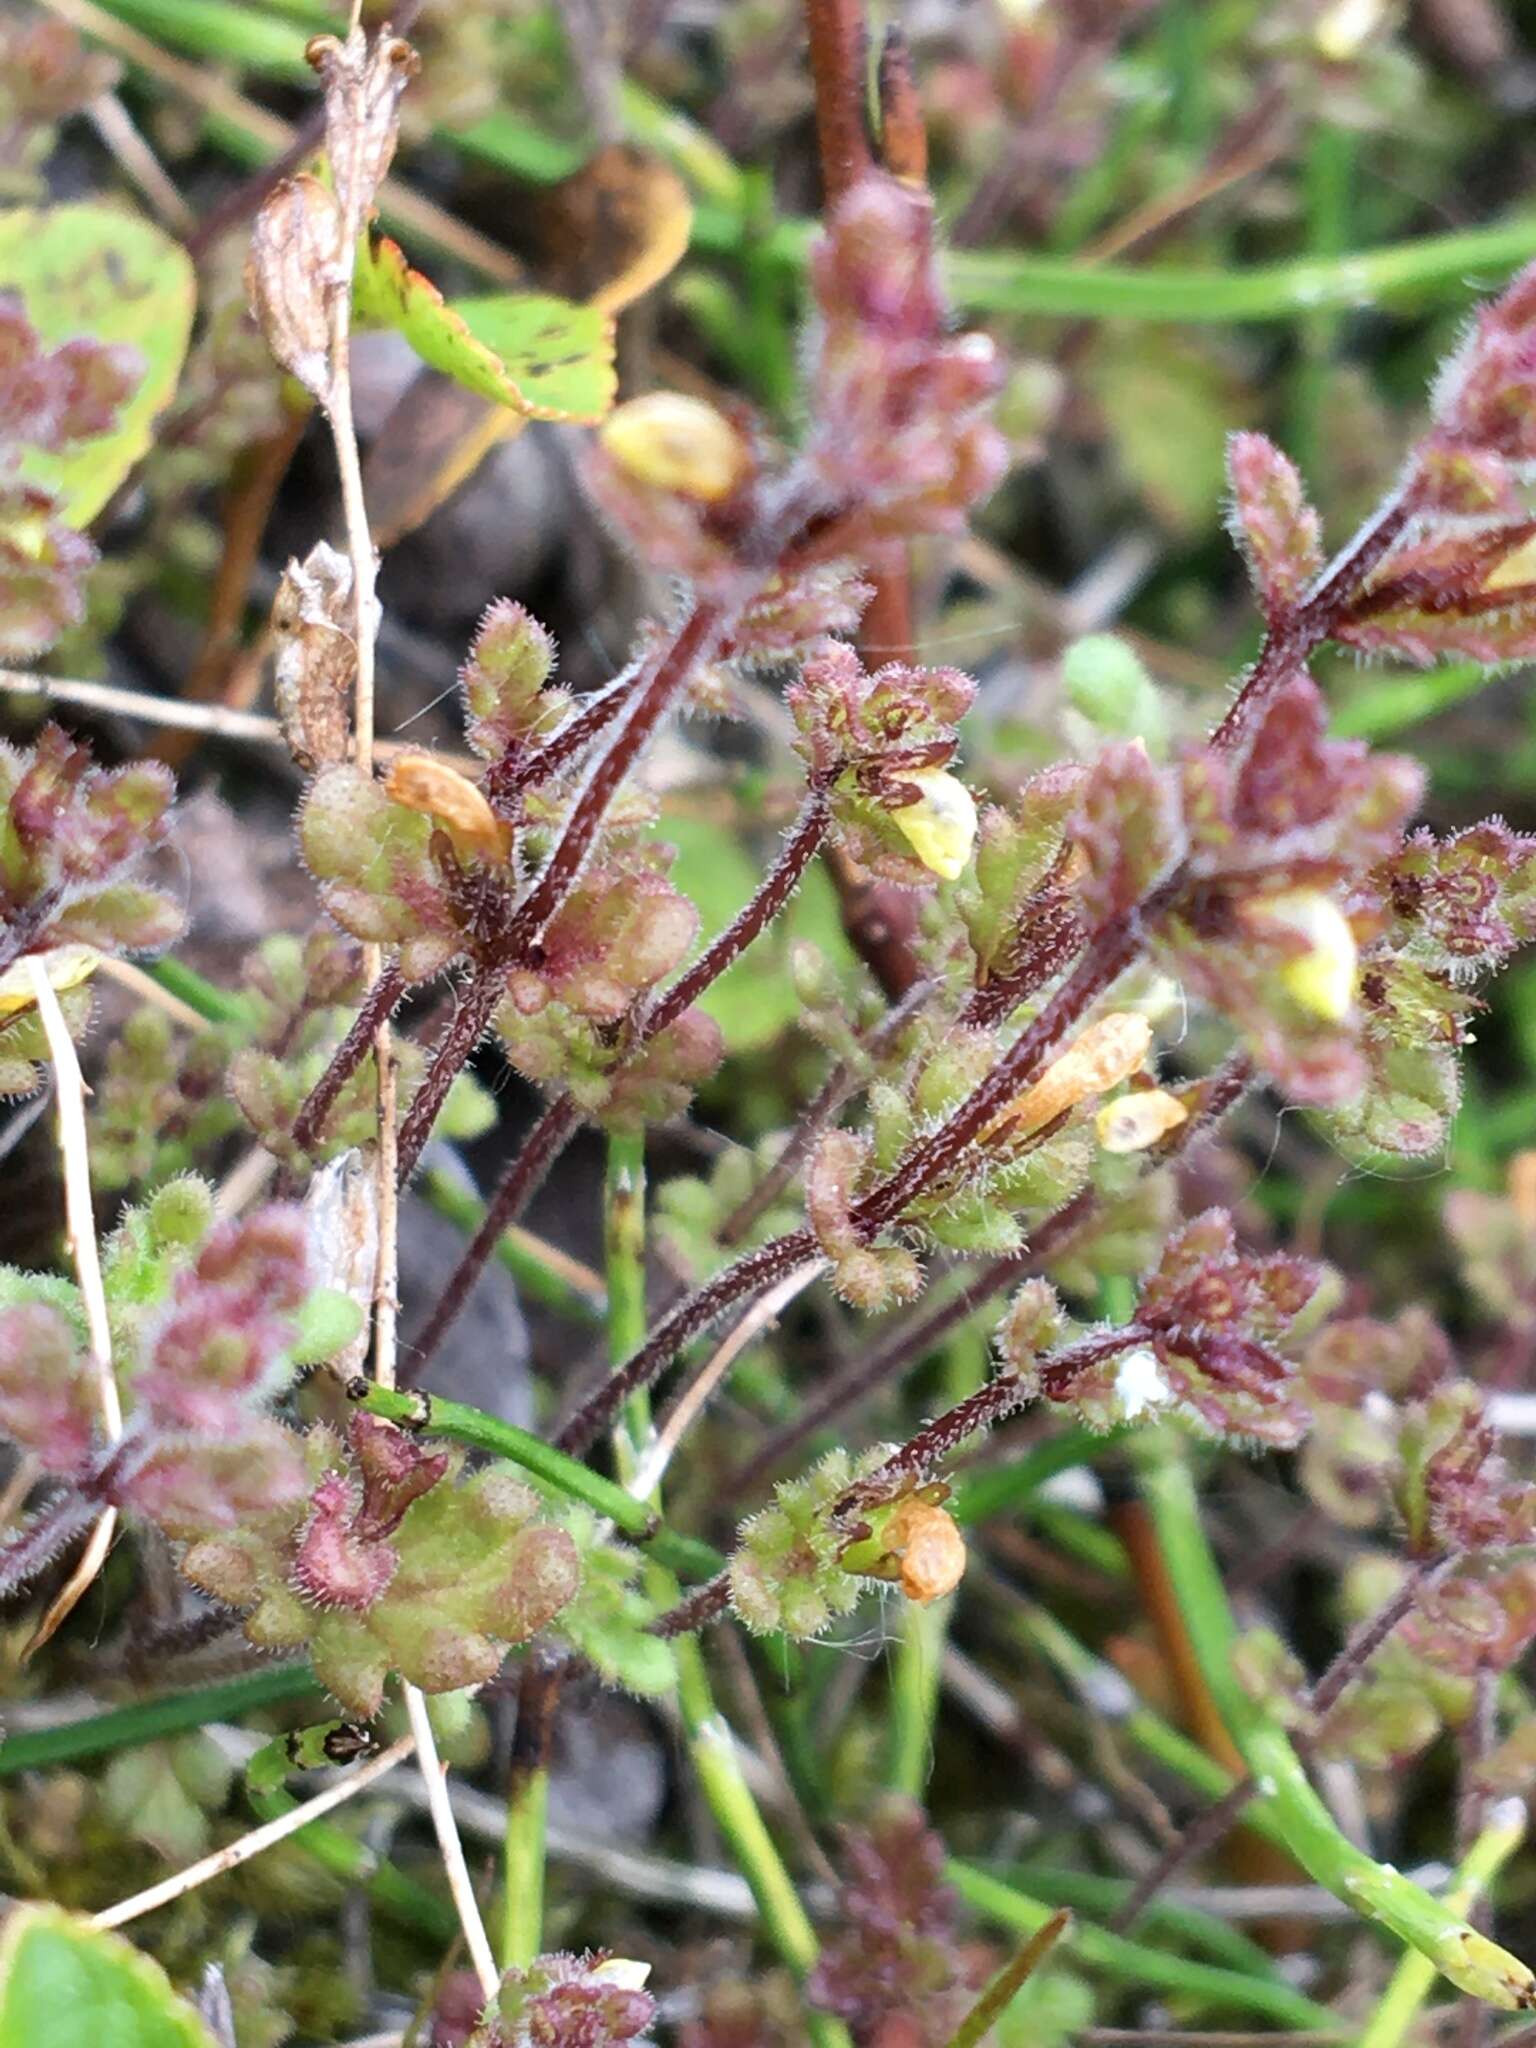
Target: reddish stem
(699, 636)
(379, 1005)
(838, 38)
(464, 1032)
(1292, 639)
(702, 1606)
(775, 890)
(540, 1149)
(583, 725)
(903, 134)
(994, 1403)
(1111, 950)
(749, 1276)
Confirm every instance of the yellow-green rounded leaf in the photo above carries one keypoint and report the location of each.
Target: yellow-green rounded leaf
(89, 270)
(546, 358)
(556, 355)
(67, 1984)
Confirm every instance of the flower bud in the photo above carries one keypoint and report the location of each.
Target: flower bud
(1133, 1122)
(676, 443)
(940, 827)
(1322, 979)
(441, 792)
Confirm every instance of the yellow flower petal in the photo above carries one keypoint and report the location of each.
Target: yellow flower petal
(941, 826)
(1322, 979)
(677, 443)
(65, 966)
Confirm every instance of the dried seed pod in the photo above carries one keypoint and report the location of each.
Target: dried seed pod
(316, 656)
(676, 443)
(1133, 1122)
(441, 792)
(940, 827)
(297, 244)
(1109, 1051)
(363, 85)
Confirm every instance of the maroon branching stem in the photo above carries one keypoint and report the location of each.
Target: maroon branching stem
(464, 1031)
(1368, 1638)
(994, 1403)
(1296, 636)
(919, 1336)
(916, 1339)
(1204, 1833)
(379, 1005)
(1110, 951)
(699, 637)
(838, 66)
(841, 1084)
(540, 1149)
(775, 890)
(705, 1604)
(567, 741)
(561, 1117)
(748, 1277)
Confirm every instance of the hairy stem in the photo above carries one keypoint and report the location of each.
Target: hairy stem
(697, 639)
(750, 1274)
(379, 1005)
(465, 1030)
(778, 885)
(521, 1181)
(1293, 639)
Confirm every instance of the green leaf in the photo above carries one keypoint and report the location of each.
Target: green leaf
(547, 358)
(64, 1982)
(114, 278)
(327, 1323)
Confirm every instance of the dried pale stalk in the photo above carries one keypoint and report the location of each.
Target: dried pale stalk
(435, 1777)
(74, 1151)
(265, 1837)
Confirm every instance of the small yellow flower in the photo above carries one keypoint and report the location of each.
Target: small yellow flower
(941, 826)
(1322, 979)
(1348, 26)
(620, 1970)
(676, 443)
(1133, 1122)
(65, 966)
(1518, 567)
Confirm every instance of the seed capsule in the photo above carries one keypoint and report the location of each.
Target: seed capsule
(928, 1548)
(441, 792)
